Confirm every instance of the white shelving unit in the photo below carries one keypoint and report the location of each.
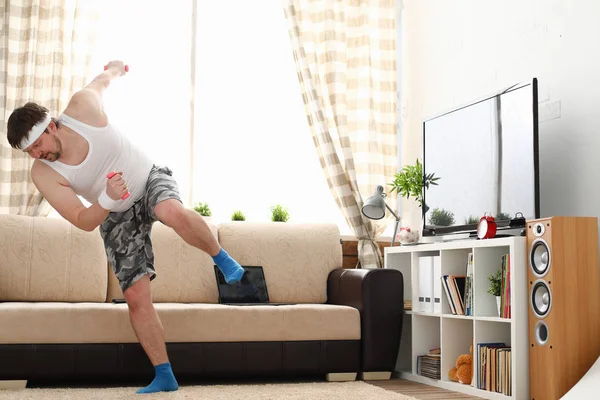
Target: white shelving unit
(453, 334)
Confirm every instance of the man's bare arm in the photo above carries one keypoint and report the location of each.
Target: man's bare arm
(86, 105)
(64, 200)
(100, 83)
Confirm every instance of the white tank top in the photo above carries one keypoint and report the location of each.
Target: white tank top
(109, 150)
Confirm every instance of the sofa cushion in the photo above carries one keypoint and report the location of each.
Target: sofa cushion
(183, 272)
(296, 258)
(51, 322)
(49, 259)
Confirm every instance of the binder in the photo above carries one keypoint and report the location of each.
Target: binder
(437, 284)
(426, 284)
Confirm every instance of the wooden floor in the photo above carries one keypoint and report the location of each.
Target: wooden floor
(420, 391)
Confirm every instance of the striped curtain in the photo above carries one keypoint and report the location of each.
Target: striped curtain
(345, 53)
(45, 53)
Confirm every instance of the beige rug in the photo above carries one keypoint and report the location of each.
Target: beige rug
(280, 391)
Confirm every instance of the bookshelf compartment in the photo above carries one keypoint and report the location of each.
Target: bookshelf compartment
(426, 336)
(490, 372)
(457, 337)
(486, 261)
(454, 271)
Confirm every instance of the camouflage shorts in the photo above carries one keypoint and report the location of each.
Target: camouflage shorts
(126, 234)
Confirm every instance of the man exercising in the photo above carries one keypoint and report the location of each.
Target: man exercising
(75, 155)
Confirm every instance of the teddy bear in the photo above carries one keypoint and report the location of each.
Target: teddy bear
(463, 372)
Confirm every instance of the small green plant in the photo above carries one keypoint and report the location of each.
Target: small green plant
(238, 216)
(441, 217)
(410, 182)
(502, 216)
(279, 214)
(495, 283)
(203, 209)
(471, 220)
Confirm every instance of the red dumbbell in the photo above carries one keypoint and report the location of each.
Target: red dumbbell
(126, 68)
(110, 175)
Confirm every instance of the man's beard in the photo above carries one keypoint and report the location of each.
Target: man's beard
(53, 156)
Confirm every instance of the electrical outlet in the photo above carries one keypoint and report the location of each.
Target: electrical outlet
(549, 111)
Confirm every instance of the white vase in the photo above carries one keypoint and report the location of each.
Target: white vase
(498, 303)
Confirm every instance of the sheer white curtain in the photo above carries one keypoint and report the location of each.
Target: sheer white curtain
(253, 147)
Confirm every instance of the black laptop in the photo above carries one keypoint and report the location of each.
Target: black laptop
(251, 290)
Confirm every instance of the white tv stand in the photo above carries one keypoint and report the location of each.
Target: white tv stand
(453, 334)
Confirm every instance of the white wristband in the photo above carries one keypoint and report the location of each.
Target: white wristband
(106, 202)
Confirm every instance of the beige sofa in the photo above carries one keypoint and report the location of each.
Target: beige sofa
(58, 321)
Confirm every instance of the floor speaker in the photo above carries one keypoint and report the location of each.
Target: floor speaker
(564, 303)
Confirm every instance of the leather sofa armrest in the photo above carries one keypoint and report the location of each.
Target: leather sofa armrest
(378, 294)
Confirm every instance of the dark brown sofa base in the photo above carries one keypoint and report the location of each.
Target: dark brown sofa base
(128, 362)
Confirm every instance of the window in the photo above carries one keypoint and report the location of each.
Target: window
(253, 146)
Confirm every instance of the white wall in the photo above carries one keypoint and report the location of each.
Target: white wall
(456, 51)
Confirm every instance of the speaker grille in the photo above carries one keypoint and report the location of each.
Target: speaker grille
(541, 299)
(541, 333)
(539, 229)
(539, 257)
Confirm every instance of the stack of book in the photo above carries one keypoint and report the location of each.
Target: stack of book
(454, 286)
(459, 290)
(429, 365)
(493, 363)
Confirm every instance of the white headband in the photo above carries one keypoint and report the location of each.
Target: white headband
(35, 132)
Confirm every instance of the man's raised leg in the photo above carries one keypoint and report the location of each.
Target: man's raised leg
(150, 333)
(195, 231)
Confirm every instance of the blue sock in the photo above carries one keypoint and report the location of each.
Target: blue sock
(230, 268)
(164, 381)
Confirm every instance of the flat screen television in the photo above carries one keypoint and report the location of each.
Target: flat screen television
(485, 155)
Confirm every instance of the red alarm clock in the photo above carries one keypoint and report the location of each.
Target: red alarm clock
(486, 227)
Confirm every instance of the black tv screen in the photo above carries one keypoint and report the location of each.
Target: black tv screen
(486, 157)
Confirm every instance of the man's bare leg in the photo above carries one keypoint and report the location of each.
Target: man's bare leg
(150, 333)
(192, 228)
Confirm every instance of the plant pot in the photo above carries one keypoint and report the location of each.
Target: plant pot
(498, 303)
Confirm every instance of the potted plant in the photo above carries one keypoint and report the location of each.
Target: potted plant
(279, 214)
(471, 220)
(410, 181)
(495, 287)
(238, 216)
(203, 209)
(441, 217)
